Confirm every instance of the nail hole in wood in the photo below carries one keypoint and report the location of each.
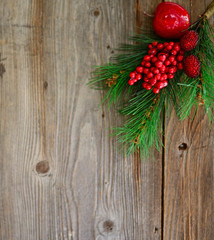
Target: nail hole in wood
(45, 85)
(108, 226)
(156, 229)
(108, 47)
(42, 167)
(96, 13)
(182, 147)
(112, 51)
(103, 115)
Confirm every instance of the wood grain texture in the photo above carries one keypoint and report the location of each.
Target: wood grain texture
(61, 175)
(188, 171)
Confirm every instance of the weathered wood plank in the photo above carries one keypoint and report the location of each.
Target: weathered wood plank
(61, 177)
(188, 178)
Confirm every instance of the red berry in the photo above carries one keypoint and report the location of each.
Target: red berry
(132, 75)
(135, 80)
(148, 87)
(148, 64)
(145, 70)
(170, 75)
(144, 84)
(158, 64)
(154, 59)
(158, 76)
(138, 76)
(191, 66)
(189, 40)
(143, 63)
(159, 85)
(150, 75)
(169, 47)
(180, 58)
(160, 46)
(152, 51)
(181, 52)
(147, 58)
(177, 47)
(170, 20)
(156, 71)
(150, 45)
(174, 63)
(163, 69)
(146, 79)
(172, 58)
(171, 43)
(165, 44)
(131, 82)
(162, 57)
(152, 69)
(152, 55)
(164, 76)
(155, 43)
(156, 90)
(167, 62)
(174, 52)
(165, 83)
(180, 66)
(139, 69)
(152, 81)
(172, 70)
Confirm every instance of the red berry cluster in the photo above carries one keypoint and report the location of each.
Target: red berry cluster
(159, 65)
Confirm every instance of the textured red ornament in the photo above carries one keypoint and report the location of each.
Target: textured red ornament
(189, 40)
(171, 20)
(192, 66)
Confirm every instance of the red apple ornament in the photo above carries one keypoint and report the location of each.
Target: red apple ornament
(171, 20)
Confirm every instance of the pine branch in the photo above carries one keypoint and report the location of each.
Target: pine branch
(143, 128)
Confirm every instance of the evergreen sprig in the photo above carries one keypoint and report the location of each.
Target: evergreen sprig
(142, 109)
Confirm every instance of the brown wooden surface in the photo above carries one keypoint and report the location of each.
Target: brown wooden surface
(61, 176)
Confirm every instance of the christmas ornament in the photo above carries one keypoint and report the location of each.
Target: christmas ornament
(189, 40)
(152, 72)
(191, 66)
(171, 20)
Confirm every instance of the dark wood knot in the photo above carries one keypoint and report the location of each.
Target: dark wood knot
(182, 147)
(42, 167)
(108, 226)
(96, 12)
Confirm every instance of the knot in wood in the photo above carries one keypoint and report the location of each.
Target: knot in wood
(42, 167)
(108, 226)
(182, 147)
(96, 12)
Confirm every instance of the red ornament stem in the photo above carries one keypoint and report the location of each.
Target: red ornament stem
(209, 11)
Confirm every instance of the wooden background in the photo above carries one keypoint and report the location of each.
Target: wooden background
(61, 176)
